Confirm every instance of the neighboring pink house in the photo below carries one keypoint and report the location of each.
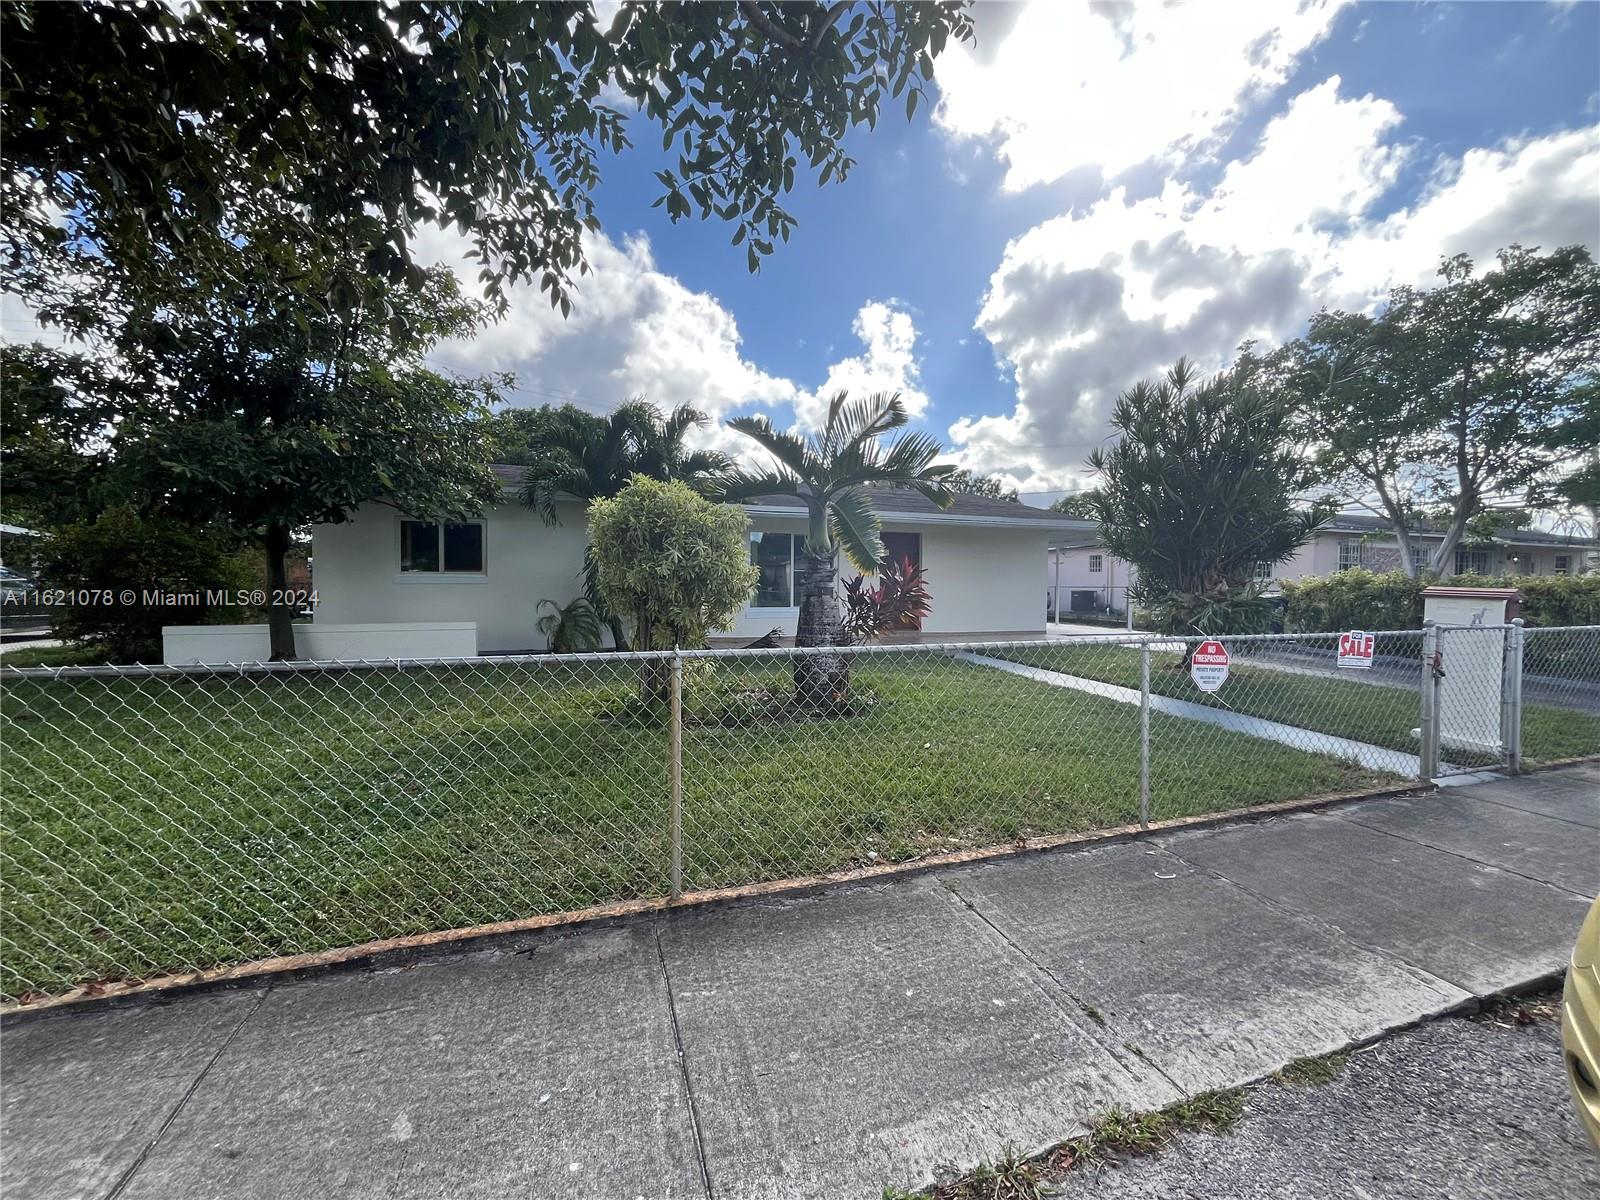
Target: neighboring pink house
(1083, 580)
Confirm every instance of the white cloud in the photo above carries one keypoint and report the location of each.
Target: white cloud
(1083, 305)
(1111, 86)
(636, 331)
(889, 364)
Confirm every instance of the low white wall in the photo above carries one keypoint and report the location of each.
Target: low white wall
(188, 645)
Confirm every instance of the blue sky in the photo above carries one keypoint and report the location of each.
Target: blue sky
(1095, 193)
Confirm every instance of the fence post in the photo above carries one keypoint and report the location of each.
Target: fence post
(1428, 733)
(677, 772)
(1144, 734)
(1127, 605)
(1511, 698)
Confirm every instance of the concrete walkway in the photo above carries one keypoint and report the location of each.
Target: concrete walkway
(815, 1046)
(1377, 758)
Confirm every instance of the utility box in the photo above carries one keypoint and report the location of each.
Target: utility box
(1472, 651)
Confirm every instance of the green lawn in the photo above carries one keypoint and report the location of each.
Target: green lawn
(158, 824)
(53, 656)
(1366, 712)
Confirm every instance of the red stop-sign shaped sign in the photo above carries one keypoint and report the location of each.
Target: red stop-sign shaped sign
(1208, 666)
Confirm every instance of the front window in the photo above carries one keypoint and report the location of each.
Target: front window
(1095, 563)
(1472, 562)
(1421, 556)
(1263, 571)
(454, 547)
(779, 559)
(1350, 554)
(1561, 566)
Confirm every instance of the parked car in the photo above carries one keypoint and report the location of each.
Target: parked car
(1580, 1024)
(15, 586)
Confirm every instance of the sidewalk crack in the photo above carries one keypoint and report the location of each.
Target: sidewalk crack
(1299, 914)
(683, 1070)
(1345, 816)
(1085, 1008)
(1517, 808)
(133, 1168)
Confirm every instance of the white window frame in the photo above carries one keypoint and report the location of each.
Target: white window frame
(1421, 556)
(1096, 564)
(1563, 565)
(796, 548)
(1347, 545)
(1469, 556)
(441, 575)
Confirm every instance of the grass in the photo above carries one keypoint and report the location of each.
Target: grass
(1365, 712)
(1314, 1072)
(53, 656)
(158, 824)
(1116, 1135)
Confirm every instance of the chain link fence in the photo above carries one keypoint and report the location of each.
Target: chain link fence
(160, 819)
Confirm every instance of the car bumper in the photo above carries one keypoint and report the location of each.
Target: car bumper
(1580, 1043)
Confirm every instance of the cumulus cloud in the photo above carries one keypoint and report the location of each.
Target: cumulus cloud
(634, 331)
(1086, 303)
(1064, 85)
(888, 364)
(637, 331)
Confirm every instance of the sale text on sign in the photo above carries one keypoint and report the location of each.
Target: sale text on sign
(1355, 649)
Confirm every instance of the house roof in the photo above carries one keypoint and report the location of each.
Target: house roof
(891, 503)
(905, 504)
(1367, 523)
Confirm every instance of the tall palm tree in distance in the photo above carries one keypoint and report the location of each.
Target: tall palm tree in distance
(827, 472)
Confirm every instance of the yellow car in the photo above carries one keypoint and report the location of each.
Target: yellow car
(1580, 1024)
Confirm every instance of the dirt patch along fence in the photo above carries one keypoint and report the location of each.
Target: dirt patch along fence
(158, 820)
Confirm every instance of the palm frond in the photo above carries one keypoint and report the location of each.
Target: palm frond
(912, 456)
(739, 486)
(856, 528)
(855, 421)
(792, 454)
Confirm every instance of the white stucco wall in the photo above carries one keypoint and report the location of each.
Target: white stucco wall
(357, 578)
(983, 579)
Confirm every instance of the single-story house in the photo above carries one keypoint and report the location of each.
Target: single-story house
(981, 556)
(1087, 579)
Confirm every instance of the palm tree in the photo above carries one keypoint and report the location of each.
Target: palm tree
(827, 471)
(594, 458)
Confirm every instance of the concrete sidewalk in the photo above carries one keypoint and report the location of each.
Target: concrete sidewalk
(822, 1045)
(1378, 758)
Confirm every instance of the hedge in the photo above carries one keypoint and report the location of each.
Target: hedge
(1359, 599)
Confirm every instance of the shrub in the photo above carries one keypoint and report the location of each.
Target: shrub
(570, 629)
(1548, 599)
(119, 554)
(1358, 599)
(1353, 599)
(672, 563)
(900, 601)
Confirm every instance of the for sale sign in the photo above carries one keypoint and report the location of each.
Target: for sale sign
(1209, 666)
(1355, 649)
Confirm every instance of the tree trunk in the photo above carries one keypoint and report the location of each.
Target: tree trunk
(280, 616)
(820, 680)
(655, 682)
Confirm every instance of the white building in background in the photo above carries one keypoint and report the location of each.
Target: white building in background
(1084, 580)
